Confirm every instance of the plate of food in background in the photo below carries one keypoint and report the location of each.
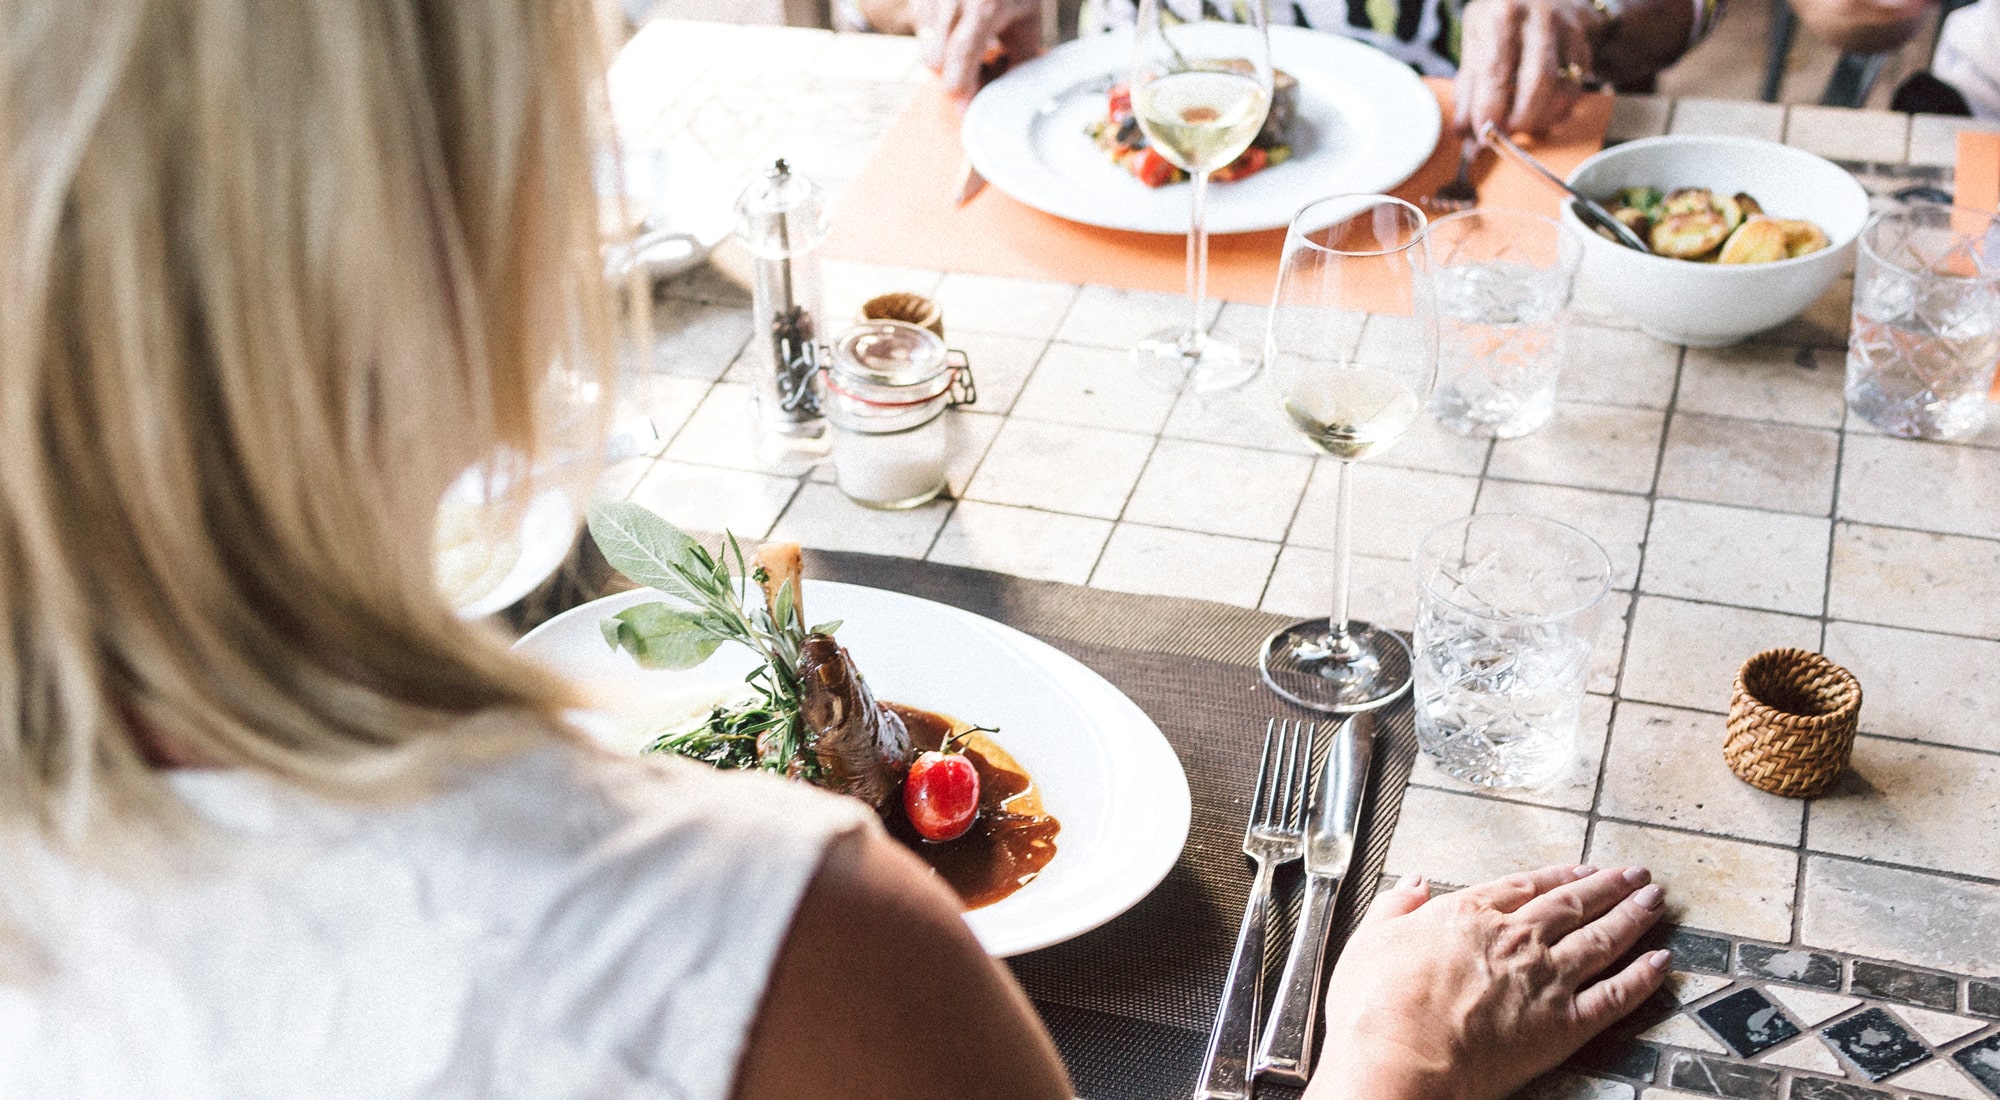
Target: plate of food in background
(1041, 793)
(1056, 134)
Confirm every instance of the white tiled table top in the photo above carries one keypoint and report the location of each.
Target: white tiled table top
(1741, 506)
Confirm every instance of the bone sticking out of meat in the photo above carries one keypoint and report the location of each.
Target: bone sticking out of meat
(862, 747)
(781, 562)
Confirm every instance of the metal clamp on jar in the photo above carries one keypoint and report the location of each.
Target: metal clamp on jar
(886, 392)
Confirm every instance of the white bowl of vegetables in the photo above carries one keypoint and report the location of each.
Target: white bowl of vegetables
(1698, 301)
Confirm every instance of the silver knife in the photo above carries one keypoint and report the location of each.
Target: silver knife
(969, 183)
(1286, 1051)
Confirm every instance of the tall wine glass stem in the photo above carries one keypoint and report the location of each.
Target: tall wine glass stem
(1340, 642)
(1197, 259)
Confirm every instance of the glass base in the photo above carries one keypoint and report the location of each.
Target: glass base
(1301, 664)
(1178, 360)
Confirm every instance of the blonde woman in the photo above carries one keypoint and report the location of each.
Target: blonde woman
(276, 822)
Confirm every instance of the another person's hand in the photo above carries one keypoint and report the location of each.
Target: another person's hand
(1523, 62)
(958, 36)
(1469, 995)
(1864, 26)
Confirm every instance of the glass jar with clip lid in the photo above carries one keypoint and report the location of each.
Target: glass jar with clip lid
(886, 391)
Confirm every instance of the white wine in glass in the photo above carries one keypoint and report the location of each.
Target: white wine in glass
(1352, 347)
(1201, 87)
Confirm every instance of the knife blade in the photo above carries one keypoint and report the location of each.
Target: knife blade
(970, 183)
(1285, 1052)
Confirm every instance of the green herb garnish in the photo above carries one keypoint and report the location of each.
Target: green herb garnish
(770, 734)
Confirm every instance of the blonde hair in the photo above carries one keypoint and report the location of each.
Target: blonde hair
(274, 274)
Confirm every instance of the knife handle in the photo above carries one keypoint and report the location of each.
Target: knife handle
(1225, 1067)
(1286, 1052)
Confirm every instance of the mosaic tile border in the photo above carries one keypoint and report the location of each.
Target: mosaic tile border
(1751, 1020)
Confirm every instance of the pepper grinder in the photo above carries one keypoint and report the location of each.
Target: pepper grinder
(781, 220)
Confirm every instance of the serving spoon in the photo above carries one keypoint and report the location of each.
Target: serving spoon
(1585, 207)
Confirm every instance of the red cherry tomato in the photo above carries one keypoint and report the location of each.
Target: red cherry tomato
(941, 795)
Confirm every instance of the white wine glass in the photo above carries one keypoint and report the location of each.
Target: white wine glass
(1352, 345)
(1201, 88)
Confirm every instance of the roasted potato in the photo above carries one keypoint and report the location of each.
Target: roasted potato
(1634, 219)
(1758, 240)
(1802, 237)
(1687, 200)
(1750, 207)
(1732, 213)
(1686, 236)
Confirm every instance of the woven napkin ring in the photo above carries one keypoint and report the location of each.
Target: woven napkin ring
(902, 305)
(1792, 718)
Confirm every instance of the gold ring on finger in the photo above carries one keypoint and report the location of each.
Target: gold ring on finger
(1570, 73)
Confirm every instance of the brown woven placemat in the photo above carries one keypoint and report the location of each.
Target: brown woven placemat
(1130, 1003)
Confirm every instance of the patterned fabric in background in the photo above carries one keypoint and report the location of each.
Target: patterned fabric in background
(1422, 33)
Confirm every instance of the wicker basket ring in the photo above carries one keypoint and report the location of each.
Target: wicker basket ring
(1792, 718)
(904, 306)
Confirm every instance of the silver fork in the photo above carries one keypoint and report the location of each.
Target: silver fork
(1459, 194)
(1274, 836)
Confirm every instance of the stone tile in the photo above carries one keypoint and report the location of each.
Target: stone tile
(1617, 521)
(1934, 139)
(1814, 1088)
(1616, 366)
(1929, 687)
(1937, 1028)
(821, 517)
(1093, 387)
(846, 284)
(1775, 467)
(1904, 916)
(1060, 467)
(1983, 998)
(722, 431)
(1001, 366)
(1157, 561)
(1463, 840)
(1840, 133)
(1637, 116)
(1914, 579)
(1247, 416)
(1674, 1094)
(1727, 885)
(1941, 1078)
(667, 399)
(1736, 556)
(1808, 1052)
(971, 435)
(1809, 1008)
(1219, 490)
(1747, 1022)
(1382, 591)
(1687, 988)
(1790, 385)
(1790, 964)
(1822, 327)
(1393, 508)
(1686, 654)
(1563, 1085)
(1575, 789)
(1429, 445)
(1665, 767)
(1928, 486)
(873, 57)
(1244, 324)
(1728, 116)
(1691, 950)
(1982, 1061)
(1588, 446)
(1918, 805)
(1042, 545)
(1109, 317)
(709, 500)
(1875, 1044)
(1721, 1077)
(1588, 306)
(1010, 307)
(697, 340)
(1682, 1031)
(1898, 984)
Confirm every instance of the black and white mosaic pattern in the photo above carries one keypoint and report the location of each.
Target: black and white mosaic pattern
(1755, 1021)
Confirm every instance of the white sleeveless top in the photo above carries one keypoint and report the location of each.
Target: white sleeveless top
(562, 925)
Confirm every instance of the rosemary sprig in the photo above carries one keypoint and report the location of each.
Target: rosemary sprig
(659, 635)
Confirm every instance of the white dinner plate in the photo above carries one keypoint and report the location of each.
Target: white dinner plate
(1104, 768)
(1365, 123)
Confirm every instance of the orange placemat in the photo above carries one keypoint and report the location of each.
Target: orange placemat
(900, 211)
(1976, 186)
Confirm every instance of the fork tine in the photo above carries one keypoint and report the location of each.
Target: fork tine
(1260, 798)
(1294, 770)
(1302, 750)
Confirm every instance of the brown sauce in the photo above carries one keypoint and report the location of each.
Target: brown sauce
(1012, 839)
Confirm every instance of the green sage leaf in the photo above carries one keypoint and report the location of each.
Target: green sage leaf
(662, 637)
(827, 627)
(647, 548)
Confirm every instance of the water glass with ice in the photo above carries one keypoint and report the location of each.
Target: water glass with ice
(1926, 335)
(1507, 610)
(1503, 282)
